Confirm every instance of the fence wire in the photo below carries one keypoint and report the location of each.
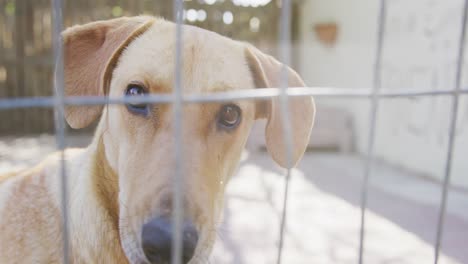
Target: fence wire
(179, 174)
(59, 108)
(372, 127)
(247, 94)
(59, 101)
(452, 129)
(285, 57)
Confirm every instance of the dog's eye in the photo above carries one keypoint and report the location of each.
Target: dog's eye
(137, 90)
(229, 116)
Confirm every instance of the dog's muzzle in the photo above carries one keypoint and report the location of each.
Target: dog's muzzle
(157, 240)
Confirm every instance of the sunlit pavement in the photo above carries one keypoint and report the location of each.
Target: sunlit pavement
(323, 217)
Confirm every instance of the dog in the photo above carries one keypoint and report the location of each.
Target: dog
(120, 187)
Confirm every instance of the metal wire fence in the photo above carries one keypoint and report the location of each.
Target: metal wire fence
(178, 99)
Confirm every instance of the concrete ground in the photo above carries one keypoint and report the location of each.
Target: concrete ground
(323, 210)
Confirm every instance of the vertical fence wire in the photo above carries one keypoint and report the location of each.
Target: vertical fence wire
(285, 57)
(372, 125)
(59, 108)
(177, 217)
(452, 131)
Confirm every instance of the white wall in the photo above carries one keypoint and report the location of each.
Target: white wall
(421, 44)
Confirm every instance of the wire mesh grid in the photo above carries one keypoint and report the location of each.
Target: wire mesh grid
(177, 99)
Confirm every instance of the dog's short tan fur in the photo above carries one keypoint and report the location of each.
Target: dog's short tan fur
(124, 177)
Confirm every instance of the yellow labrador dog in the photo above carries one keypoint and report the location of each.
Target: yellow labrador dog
(120, 186)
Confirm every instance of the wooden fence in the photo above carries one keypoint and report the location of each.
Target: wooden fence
(26, 38)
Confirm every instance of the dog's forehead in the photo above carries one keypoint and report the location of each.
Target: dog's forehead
(210, 61)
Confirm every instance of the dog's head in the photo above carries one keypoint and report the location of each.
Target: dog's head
(135, 57)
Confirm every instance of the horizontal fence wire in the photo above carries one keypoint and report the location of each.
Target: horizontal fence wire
(246, 94)
(451, 132)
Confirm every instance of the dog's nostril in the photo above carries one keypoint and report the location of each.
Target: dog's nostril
(157, 240)
(189, 241)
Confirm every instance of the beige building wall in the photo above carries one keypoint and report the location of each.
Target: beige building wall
(420, 52)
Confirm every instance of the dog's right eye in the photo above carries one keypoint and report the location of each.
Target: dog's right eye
(137, 90)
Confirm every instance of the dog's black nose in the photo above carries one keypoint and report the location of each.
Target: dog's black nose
(157, 240)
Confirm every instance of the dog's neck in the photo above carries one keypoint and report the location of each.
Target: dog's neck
(105, 184)
(103, 198)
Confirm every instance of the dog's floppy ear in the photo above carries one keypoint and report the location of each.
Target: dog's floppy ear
(266, 72)
(90, 53)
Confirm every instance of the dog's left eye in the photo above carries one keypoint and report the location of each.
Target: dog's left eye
(137, 90)
(229, 116)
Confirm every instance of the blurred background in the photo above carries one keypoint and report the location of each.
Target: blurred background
(333, 45)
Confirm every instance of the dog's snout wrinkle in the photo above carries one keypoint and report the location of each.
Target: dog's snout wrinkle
(157, 240)
(166, 204)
